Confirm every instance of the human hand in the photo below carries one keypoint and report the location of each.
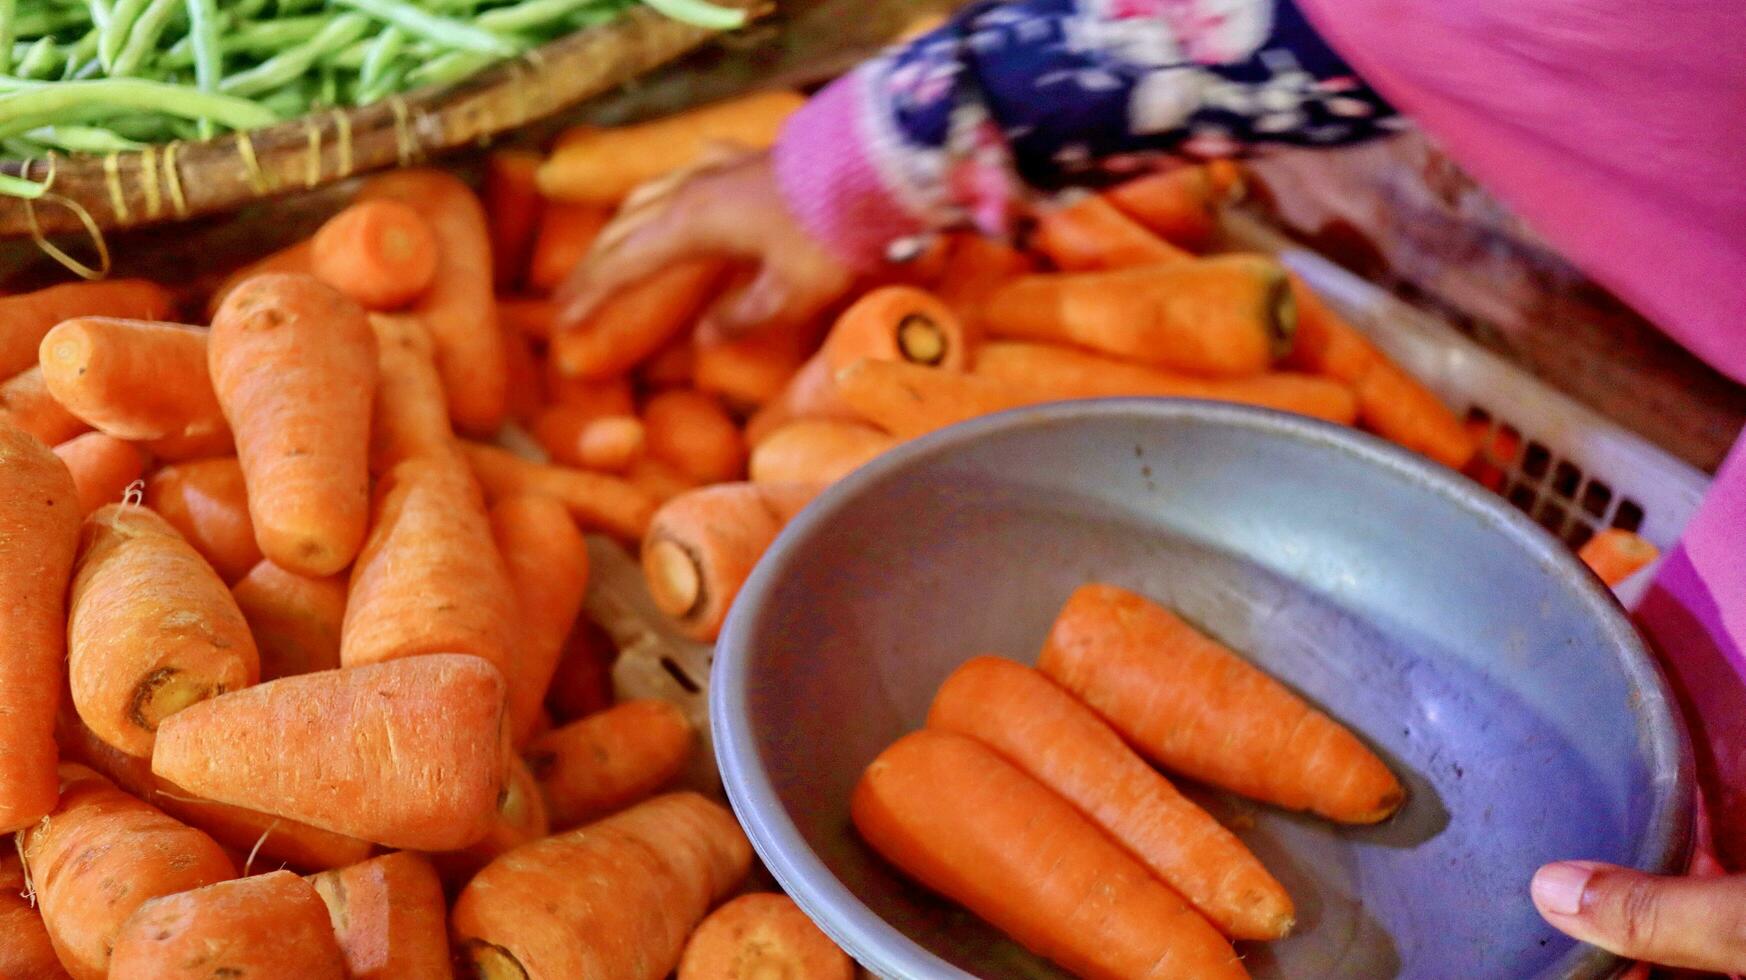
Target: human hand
(729, 206)
(1698, 923)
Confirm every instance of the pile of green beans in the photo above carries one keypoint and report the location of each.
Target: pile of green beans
(101, 76)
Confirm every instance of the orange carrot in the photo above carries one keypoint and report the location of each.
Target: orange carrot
(605, 762)
(597, 501)
(702, 545)
(657, 479)
(410, 415)
(27, 317)
(611, 443)
(752, 370)
(1224, 316)
(617, 898)
(429, 579)
(671, 366)
(151, 629)
(1193, 706)
(25, 403)
(527, 379)
(977, 267)
(1496, 449)
(206, 502)
(39, 533)
(103, 467)
(897, 323)
(380, 253)
(1616, 554)
(692, 432)
(25, 950)
(637, 321)
(611, 396)
(531, 316)
(1091, 233)
(1057, 741)
(407, 754)
(1054, 373)
(269, 926)
(295, 620)
(1177, 205)
(558, 429)
(458, 308)
(1227, 179)
(582, 684)
(566, 233)
(512, 209)
(520, 817)
(547, 562)
(909, 401)
(294, 365)
(601, 166)
(389, 917)
(762, 935)
(297, 258)
(811, 393)
(967, 824)
(98, 857)
(138, 380)
(820, 451)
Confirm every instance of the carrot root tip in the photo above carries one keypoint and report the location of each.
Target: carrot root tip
(677, 582)
(162, 693)
(481, 960)
(921, 340)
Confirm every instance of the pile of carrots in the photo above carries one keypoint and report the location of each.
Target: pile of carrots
(1026, 798)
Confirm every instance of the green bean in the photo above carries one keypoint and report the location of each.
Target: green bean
(147, 29)
(529, 14)
(23, 148)
(84, 139)
(392, 80)
(294, 63)
(82, 50)
(39, 21)
(289, 101)
(442, 30)
(136, 94)
(40, 59)
(12, 186)
(383, 50)
(272, 35)
(203, 33)
(114, 35)
(450, 67)
(700, 13)
(351, 57)
(8, 22)
(100, 12)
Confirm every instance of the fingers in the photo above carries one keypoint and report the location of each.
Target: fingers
(634, 247)
(1696, 923)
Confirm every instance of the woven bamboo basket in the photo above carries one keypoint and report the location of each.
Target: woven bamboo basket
(182, 180)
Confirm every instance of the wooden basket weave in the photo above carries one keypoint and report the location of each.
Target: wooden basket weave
(182, 180)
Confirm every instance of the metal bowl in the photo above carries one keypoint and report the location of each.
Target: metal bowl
(1497, 676)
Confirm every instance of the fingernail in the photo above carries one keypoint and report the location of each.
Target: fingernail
(1558, 888)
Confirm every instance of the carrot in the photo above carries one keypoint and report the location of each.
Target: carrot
(25, 950)
(659, 480)
(582, 684)
(407, 754)
(610, 396)
(752, 370)
(527, 380)
(811, 393)
(512, 210)
(102, 854)
(762, 935)
(601, 166)
(820, 451)
(27, 317)
(295, 620)
(617, 898)
(410, 417)
(207, 503)
(389, 917)
(897, 323)
(138, 380)
(597, 501)
(547, 562)
(1224, 316)
(694, 433)
(1091, 234)
(558, 429)
(531, 316)
(977, 267)
(1193, 706)
(1616, 554)
(637, 321)
(909, 401)
(605, 762)
(1496, 450)
(566, 232)
(103, 467)
(670, 367)
(1055, 373)
(611, 443)
(1177, 205)
(1391, 402)
(457, 309)
(150, 628)
(379, 252)
(39, 534)
(269, 926)
(297, 258)
(520, 817)
(1057, 741)
(1226, 177)
(429, 579)
(967, 824)
(25, 403)
(702, 545)
(294, 365)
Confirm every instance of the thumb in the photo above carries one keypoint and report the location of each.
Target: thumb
(767, 300)
(1696, 923)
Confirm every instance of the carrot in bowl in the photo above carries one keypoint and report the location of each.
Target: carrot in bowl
(1615, 554)
(270, 925)
(1090, 233)
(379, 252)
(605, 762)
(694, 433)
(617, 898)
(25, 403)
(566, 232)
(407, 754)
(547, 563)
(39, 536)
(597, 501)
(636, 322)
(959, 819)
(207, 503)
(1227, 316)
(1059, 742)
(27, 317)
(820, 451)
(294, 365)
(103, 467)
(294, 619)
(151, 629)
(762, 935)
(138, 380)
(1194, 707)
(389, 916)
(25, 950)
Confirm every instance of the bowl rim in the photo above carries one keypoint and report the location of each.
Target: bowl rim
(887, 950)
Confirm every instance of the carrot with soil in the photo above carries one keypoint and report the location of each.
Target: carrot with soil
(138, 380)
(380, 253)
(268, 926)
(389, 917)
(25, 403)
(27, 317)
(820, 451)
(103, 467)
(207, 503)
(1191, 705)
(1091, 234)
(693, 432)
(957, 818)
(294, 619)
(597, 501)
(636, 321)
(762, 935)
(547, 564)
(605, 762)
